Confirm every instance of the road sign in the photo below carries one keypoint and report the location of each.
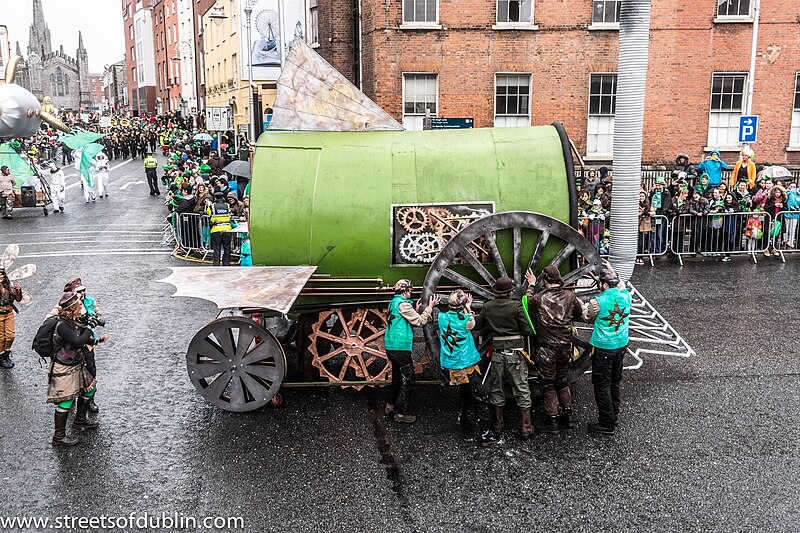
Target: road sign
(217, 118)
(441, 123)
(748, 128)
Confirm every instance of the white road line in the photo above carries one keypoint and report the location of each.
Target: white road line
(157, 241)
(144, 251)
(68, 187)
(129, 184)
(82, 232)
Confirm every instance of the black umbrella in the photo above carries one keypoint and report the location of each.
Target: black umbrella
(238, 168)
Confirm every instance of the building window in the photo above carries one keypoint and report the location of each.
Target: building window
(313, 12)
(514, 10)
(420, 93)
(420, 11)
(606, 11)
(133, 56)
(727, 104)
(512, 100)
(59, 82)
(794, 138)
(733, 8)
(66, 85)
(130, 31)
(602, 107)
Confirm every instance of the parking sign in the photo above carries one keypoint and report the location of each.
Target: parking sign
(748, 128)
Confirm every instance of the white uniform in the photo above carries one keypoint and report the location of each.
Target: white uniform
(58, 187)
(100, 169)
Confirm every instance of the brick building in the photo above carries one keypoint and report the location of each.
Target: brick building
(519, 62)
(96, 92)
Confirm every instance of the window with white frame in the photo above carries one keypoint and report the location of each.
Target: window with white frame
(734, 8)
(602, 107)
(727, 105)
(512, 96)
(420, 93)
(606, 11)
(514, 11)
(420, 11)
(313, 13)
(794, 137)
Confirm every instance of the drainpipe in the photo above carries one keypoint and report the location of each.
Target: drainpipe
(358, 38)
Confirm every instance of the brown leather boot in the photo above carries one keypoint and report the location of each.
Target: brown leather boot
(525, 428)
(80, 415)
(497, 424)
(60, 437)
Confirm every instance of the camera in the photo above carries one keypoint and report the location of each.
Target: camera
(92, 321)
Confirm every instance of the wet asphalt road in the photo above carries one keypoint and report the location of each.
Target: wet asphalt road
(709, 443)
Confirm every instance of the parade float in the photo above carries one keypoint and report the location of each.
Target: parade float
(338, 217)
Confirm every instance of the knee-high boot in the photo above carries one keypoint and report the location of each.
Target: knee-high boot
(60, 437)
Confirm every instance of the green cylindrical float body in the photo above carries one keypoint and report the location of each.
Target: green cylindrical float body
(330, 199)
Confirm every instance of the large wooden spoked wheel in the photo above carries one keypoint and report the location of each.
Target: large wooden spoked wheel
(236, 364)
(516, 241)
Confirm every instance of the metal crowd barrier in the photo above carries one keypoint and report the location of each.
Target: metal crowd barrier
(650, 244)
(787, 238)
(718, 234)
(193, 236)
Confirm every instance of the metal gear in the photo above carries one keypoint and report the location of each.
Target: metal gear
(437, 217)
(347, 345)
(420, 248)
(412, 219)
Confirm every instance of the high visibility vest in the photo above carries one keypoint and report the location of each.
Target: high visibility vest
(150, 162)
(220, 217)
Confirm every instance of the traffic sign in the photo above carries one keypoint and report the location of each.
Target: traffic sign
(441, 123)
(748, 128)
(218, 119)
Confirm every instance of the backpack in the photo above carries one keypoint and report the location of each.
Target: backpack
(43, 340)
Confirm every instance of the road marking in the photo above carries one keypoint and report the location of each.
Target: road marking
(82, 232)
(129, 184)
(154, 241)
(68, 187)
(146, 251)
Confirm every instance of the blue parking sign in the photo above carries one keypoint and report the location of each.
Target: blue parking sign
(748, 128)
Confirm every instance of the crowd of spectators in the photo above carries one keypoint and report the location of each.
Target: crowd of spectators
(700, 207)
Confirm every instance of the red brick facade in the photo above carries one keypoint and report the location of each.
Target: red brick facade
(686, 47)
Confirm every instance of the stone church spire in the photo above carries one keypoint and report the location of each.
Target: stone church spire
(39, 40)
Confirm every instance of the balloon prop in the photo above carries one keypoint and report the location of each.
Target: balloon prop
(20, 112)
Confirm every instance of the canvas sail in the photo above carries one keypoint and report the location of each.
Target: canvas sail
(314, 96)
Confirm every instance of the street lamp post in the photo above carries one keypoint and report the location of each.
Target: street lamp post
(248, 13)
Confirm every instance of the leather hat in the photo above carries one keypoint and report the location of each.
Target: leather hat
(503, 285)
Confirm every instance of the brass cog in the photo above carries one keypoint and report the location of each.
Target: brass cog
(437, 219)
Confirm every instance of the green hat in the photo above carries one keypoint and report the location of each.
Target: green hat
(205, 168)
(661, 181)
(167, 167)
(14, 144)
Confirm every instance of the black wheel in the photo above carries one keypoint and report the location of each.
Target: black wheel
(236, 364)
(515, 239)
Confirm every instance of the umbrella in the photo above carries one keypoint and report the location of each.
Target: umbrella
(238, 168)
(776, 172)
(203, 137)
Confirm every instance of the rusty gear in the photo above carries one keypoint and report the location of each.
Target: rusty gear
(347, 345)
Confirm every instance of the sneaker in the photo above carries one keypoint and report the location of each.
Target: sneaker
(595, 427)
(775, 252)
(726, 259)
(404, 419)
(766, 253)
(640, 261)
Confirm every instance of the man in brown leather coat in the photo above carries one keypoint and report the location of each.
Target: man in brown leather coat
(555, 308)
